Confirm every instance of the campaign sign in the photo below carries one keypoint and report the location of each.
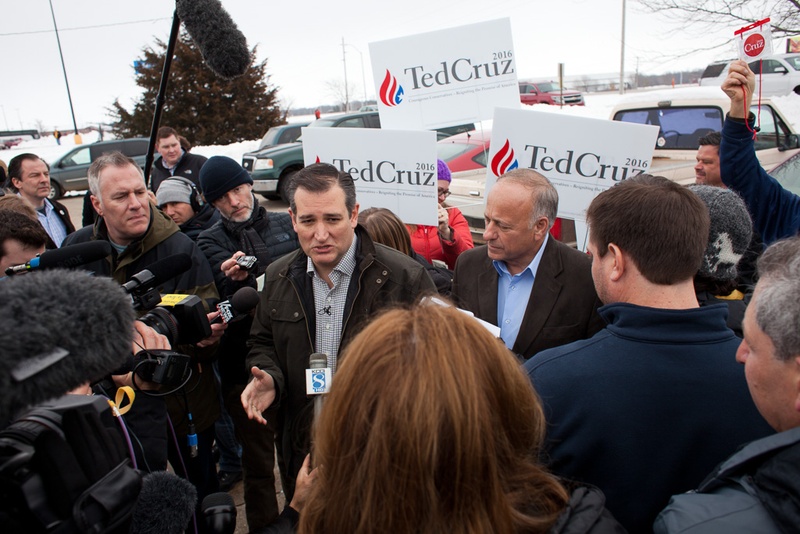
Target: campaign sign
(580, 156)
(391, 169)
(445, 78)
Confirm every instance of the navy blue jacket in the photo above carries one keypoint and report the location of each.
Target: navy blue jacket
(647, 407)
(775, 210)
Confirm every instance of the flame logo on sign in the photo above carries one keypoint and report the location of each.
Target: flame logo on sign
(504, 160)
(391, 93)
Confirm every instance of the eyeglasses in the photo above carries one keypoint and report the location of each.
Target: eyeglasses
(444, 193)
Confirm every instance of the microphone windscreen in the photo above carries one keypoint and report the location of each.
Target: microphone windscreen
(223, 46)
(74, 255)
(165, 505)
(60, 329)
(169, 267)
(244, 300)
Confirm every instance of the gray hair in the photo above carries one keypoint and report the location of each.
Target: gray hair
(110, 159)
(777, 305)
(544, 195)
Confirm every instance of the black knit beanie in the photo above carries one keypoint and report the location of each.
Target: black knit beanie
(219, 175)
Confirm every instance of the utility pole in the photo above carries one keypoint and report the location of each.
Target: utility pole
(622, 54)
(346, 94)
(78, 140)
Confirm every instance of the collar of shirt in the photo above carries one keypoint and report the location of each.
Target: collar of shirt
(533, 266)
(347, 265)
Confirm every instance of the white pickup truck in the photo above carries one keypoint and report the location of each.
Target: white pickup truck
(683, 116)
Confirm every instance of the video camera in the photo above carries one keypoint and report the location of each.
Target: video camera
(181, 318)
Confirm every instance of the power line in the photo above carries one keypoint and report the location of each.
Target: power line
(86, 27)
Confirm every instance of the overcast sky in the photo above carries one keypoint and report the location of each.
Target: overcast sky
(302, 42)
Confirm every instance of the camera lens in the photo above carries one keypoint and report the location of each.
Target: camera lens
(162, 322)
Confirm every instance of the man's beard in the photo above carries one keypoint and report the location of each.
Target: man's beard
(243, 217)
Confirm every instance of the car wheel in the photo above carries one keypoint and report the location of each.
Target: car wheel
(797, 90)
(283, 184)
(55, 191)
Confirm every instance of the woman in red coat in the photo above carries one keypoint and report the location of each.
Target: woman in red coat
(452, 237)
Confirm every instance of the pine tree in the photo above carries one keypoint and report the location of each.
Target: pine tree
(201, 106)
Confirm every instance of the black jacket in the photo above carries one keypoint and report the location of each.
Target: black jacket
(188, 167)
(586, 514)
(203, 220)
(218, 245)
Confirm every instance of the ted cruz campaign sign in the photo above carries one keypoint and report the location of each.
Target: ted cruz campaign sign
(444, 78)
(391, 169)
(580, 156)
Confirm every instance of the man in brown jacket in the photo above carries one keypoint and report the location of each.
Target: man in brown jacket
(536, 289)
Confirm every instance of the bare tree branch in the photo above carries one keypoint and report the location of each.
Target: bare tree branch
(784, 14)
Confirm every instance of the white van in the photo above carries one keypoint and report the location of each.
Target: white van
(780, 74)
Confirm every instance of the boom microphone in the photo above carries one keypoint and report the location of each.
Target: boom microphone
(165, 505)
(238, 307)
(223, 46)
(65, 257)
(60, 329)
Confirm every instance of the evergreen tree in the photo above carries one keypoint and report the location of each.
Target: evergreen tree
(203, 107)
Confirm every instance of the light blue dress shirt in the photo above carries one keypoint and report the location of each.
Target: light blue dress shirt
(513, 294)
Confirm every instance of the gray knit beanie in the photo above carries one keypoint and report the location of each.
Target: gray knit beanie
(219, 175)
(730, 232)
(174, 190)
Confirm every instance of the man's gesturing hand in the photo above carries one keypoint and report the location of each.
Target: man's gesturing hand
(258, 395)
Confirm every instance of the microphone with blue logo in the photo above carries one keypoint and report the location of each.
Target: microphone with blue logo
(318, 375)
(318, 379)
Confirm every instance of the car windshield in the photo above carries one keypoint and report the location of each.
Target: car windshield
(794, 61)
(680, 127)
(788, 174)
(548, 87)
(271, 137)
(714, 70)
(450, 151)
(322, 123)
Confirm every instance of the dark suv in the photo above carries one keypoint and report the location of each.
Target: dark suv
(70, 171)
(273, 167)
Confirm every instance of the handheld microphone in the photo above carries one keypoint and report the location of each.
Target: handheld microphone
(165, 505)
(238, 306)
(219, 513)
(65, 257)
(61, 329)
(318, 375)
(159, 272)
(223, 46)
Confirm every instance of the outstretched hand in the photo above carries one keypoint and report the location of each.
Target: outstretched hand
(258, 395)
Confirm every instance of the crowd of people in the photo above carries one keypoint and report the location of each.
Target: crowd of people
(653, 383)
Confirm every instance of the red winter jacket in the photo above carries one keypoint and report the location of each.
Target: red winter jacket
(426, 241)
